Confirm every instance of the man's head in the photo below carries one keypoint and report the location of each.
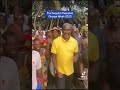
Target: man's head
(49, 34)
(75, 32)
(66, 30)
(37, 44)
(115, 18)
(93, 17)
(85, 33)
(18, 15)
(56, 32)
(17, 10)
(19, 19)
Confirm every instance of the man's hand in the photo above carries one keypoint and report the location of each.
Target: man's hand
(59, 75)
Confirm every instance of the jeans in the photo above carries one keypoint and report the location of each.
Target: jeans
(39, 87)
(65, 82)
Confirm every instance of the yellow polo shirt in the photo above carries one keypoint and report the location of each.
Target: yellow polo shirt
(93, 47)
(65, 53)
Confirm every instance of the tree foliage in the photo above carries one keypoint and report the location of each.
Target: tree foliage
(78, 6)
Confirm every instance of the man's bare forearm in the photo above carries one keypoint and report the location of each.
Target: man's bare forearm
(75, 57)
(47, 53)
(39, 73)
(54, 62)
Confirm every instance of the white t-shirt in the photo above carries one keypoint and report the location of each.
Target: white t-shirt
(36, 64)
(9, 76)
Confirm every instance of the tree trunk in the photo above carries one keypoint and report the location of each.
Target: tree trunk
(38, 12)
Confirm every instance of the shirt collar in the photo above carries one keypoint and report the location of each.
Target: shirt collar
(65, 40)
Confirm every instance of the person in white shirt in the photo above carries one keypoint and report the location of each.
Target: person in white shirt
(9, 76)
(36, 65)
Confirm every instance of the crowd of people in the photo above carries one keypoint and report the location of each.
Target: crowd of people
(105, 25)
(61, 47)
(102, 58)
(57, 51)
(15, 50)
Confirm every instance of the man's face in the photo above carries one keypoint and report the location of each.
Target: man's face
(85, 33)
(116, 21)
(19, 21)
(93, 20)
(49, 34)
(37, 45)
(67, 29)
(55, 33)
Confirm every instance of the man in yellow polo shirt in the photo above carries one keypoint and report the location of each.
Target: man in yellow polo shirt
(65, 53)
(93, 57)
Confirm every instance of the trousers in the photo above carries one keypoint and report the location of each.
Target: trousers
(65, 82)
